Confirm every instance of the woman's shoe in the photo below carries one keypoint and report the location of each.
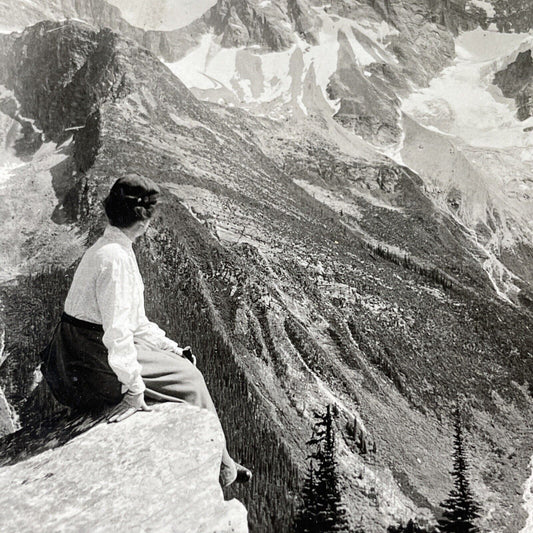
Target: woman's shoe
(228, 474)
(243, 474)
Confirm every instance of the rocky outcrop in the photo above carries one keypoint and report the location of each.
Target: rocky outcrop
(155, 471)
(516, 81)
(241, 22)
(367, 107)
(513, 15)
(454, 15)
(248, 22)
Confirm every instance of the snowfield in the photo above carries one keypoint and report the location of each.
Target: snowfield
(462, 135)
(463, 102)
(274, 83)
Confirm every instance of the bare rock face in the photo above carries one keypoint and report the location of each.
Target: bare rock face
(155, 471)
(454, 15)
(246, 22)
(365, 106)
(516, 81)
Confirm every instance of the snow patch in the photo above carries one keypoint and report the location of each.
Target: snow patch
(275, 84)
(9, 29)
(331, 198)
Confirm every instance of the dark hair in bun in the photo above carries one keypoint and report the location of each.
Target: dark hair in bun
(131, 198)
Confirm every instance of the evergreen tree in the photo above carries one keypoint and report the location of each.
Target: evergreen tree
(410, 527)
(309, 510)
(322, 510)
(460, 508)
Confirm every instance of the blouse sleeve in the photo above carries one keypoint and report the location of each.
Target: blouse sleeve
(152, 333)
(113, 295)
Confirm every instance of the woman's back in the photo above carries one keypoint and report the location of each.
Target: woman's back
(113, 250)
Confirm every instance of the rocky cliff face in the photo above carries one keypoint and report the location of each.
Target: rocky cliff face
(154, 471)
(516, 81)
(268, 24)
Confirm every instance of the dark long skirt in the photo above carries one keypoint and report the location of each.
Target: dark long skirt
(76, 368)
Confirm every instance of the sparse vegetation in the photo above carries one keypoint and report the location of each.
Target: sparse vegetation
(405, 260)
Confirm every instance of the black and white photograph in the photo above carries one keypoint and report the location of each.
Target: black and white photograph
(266, 266)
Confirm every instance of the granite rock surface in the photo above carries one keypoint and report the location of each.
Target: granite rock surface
(155, 471)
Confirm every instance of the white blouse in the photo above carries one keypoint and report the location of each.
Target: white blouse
(108, 289)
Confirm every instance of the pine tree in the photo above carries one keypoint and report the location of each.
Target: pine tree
(309, 510)
(410, 527)
(460, 508)
(322, 510)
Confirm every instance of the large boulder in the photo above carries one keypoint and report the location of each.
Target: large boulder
(155, 471)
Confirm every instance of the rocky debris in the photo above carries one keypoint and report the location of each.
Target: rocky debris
(516, 81)
(513, 15)
(368, 108)
(155, 471)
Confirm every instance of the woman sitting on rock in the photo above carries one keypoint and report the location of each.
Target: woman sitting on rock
(105, 351)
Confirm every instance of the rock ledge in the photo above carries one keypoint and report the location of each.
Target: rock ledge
(155, 471)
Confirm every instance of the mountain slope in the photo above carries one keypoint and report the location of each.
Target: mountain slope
(304, 268)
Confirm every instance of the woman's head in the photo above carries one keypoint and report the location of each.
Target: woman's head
(131, 199)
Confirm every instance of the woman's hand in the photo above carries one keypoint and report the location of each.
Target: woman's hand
(130, 404)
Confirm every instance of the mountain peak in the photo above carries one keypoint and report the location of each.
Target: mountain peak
(268, 23)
